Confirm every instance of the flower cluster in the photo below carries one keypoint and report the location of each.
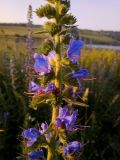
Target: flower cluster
(66, 120)
(37, 89)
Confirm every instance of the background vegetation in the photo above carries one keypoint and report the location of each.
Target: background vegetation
(103, 115)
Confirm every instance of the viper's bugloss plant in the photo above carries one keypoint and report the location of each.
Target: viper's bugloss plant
(57, 90)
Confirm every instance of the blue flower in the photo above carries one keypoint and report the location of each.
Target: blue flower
(41, 65)
(36, 155)
(63, 112)
(6, 115)
(73, 51)
(82, 73)
(49, 88)
(72, 147)
(32, 135)
(44, 127)
(34, 87)
(66, 120)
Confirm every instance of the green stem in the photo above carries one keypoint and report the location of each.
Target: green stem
(50, 154)
(55, 113)
(58, 62)
(55, 110)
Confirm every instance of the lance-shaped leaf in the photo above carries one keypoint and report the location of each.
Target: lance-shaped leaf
(39, 99)
(85, 95)
(41, 32)
(72, 102)
(46, 11)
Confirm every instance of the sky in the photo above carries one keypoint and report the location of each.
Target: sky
(91, 14)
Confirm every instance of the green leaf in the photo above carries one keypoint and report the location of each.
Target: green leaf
(85, 95)
(72, 102)
(41, 32)
(39, 99)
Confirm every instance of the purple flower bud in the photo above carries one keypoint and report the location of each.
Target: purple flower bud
(34, 87)
(41, 65)
(49, 88)
(36, 155)
(32, 135)
(73, 51)
(72, 147)
(71, 120)
(82, 73)
(44, 127)
(63, 112)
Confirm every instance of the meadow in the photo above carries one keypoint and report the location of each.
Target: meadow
(103, 115)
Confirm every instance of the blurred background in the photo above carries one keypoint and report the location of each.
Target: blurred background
(99, 28)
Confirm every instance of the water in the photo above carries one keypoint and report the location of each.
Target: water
(99, 46)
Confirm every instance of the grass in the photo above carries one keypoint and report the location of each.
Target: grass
(97, 37)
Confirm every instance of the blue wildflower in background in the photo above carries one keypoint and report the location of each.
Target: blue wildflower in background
(41, 65)
(73, 52)
(44, 127)
(6, 115)
(36, 155)
(66, 120)
(32, 135)
(72, 147)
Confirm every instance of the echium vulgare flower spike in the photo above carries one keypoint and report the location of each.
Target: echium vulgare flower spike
(36, 155)
(34, 87)
(73, 52)
(65, 120)
(81, 74)
(41, 65)
(32, 135)
(72, 147)
(44, 127)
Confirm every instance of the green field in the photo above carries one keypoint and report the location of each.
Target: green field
(97, 37)
(103, 115)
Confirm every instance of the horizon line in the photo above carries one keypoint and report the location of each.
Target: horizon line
(78, 26)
